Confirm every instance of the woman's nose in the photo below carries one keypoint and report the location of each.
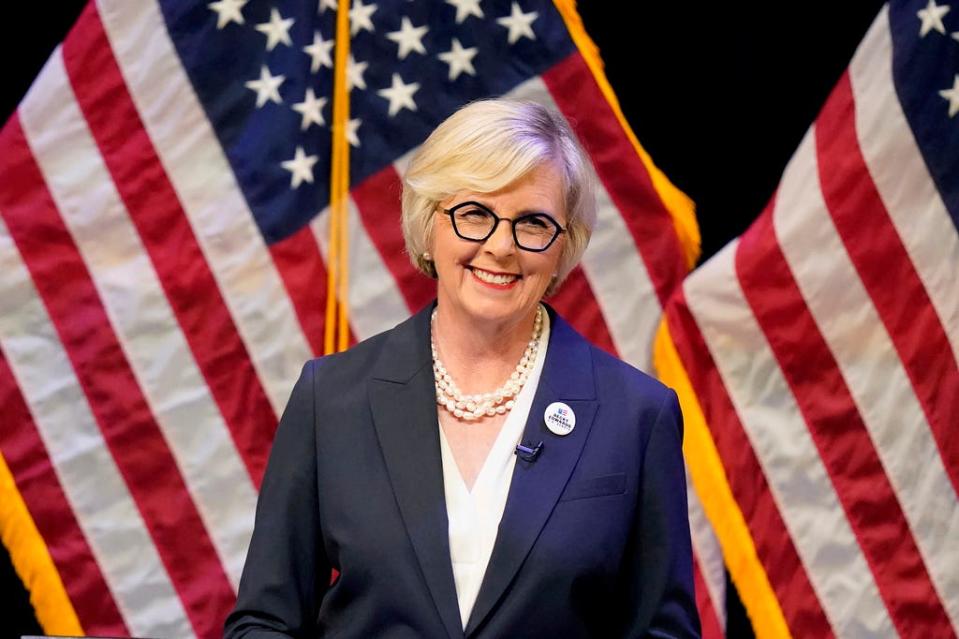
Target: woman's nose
(501, 241)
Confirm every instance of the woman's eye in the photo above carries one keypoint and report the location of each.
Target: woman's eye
(534, 223)
(472, 214)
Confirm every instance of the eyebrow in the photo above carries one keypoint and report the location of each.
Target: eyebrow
(518, 214)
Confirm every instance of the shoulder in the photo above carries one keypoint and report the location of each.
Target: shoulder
(394, 355)
(610, 370)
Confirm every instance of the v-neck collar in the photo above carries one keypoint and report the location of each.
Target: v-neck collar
(511, 432)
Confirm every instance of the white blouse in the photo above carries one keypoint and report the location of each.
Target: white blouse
(474, 516)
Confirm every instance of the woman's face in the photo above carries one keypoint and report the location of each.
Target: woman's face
(494, 280)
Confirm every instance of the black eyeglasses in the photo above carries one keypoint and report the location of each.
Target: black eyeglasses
(532, 232)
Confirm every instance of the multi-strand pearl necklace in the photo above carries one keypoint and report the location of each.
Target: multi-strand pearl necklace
(497, 402)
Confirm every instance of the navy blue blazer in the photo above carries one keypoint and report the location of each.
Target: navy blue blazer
(594, 539)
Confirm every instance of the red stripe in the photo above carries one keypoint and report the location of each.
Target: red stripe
(774, 546)
(621, 171)
(300, 265)
(711, 628)
(128, 426)
(37, 482)
(577, 304)
(839, 433)
(378, 201)
(156, 211)
(887, 272)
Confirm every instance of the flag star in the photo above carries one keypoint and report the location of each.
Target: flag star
(955, 36)
(300, 167)
(354, 73)
(465, 9)
(520, 24)
(409, 38)
(400, 95)
(953, 96)
(459, 59)
(360, 17)
(351, 128)
(277, 30)
(931, 18)
(319, 52)
(327, 4)
(311, 108)
(228, 11)
(267, 87)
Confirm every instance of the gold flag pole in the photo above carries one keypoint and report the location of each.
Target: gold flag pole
(336, 330)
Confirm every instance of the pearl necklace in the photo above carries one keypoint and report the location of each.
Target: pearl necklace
(497, 402)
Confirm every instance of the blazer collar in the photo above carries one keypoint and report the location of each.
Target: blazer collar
(403, 402)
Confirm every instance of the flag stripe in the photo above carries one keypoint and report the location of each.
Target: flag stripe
(300, 265)
(708, 620)
(775, 547)
(577, 304)
(709, 561)
(207, 190)
(797, 477)
(877, 251)
(124, 417)
(40, 489)
(893, 159)
(870, 367)
(376, 303)
(623, 291)
(377, 200)
(620, 170)
(173, 385)
(168, 239)
(835, 427)
(90, 478)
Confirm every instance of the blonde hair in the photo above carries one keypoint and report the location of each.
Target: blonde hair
(484, 147)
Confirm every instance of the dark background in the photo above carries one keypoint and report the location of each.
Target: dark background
(719, 94)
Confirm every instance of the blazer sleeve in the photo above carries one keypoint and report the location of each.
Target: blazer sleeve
(286, 571)
(663, 603)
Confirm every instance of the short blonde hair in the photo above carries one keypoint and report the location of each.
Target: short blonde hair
(484, 147)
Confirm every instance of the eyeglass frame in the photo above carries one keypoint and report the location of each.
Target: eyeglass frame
(512, 221)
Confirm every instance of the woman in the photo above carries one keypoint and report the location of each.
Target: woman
(480, 470)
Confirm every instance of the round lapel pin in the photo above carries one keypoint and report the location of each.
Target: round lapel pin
(560, 418)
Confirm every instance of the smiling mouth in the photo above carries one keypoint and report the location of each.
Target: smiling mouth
(496, 279)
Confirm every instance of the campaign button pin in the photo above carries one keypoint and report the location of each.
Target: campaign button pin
(560, 418)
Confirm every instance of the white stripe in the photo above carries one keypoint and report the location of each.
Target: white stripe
(94, 488)
(798, 481)
(901, 176)
(708, 553)
(140, 314)
(613, 266)
(376, 304)
(201, 175)
(871, 368)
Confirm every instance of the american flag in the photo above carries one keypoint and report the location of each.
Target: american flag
(816, 357)
(163, 242)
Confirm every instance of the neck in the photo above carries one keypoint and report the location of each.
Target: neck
(480, 355)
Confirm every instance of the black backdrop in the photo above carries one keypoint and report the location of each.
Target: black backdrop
(720, 95)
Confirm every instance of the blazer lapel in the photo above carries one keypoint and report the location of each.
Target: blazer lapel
(536, 486)
(403, 403)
